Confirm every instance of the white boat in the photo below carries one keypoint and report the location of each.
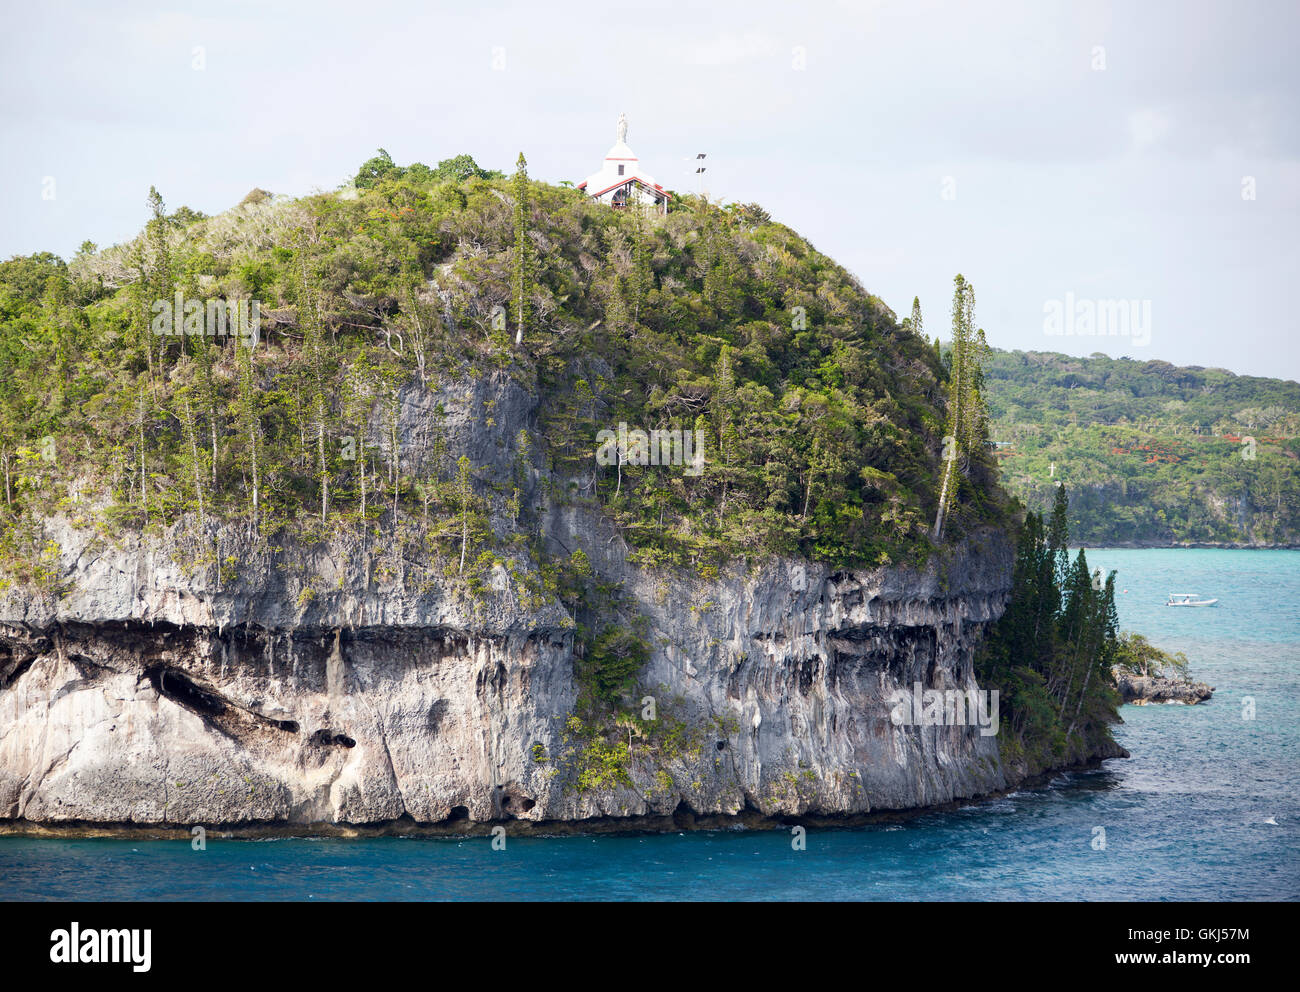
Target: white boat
(1188, 599)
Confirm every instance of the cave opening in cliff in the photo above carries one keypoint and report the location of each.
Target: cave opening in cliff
(326, 737)
(513, 803)
(171, 684)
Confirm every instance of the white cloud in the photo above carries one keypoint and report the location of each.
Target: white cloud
(1148, 127)
(729, 49)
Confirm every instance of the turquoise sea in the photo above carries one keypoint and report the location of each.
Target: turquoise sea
(1207, 807)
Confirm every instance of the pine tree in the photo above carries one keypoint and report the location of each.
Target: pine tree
(200, 349)
(914, 322)
(711, 261)
(358, 401)
(973, 355)
(1052, 650)
(189, 430)
(141, 302)
(160, 286)
(617, 314)
(523, 248)
(311, 319)
(724, 397)
(965, 377)
(247, 415)
(140, 444)
(1104, 628)
(1077, 628)
(392, 409)
(1058, 535)
(419, 320)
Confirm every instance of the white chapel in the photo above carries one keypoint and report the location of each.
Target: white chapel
(620, 181)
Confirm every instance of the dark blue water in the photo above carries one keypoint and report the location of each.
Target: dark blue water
(1186, 818)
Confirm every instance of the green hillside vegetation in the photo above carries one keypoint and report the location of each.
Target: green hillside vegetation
(823, 415)
(1152, 453)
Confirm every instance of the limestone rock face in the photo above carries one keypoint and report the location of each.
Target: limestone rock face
(314, 687)
(1143, 689)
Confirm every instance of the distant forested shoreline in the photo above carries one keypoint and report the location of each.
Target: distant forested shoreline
(1155, 455)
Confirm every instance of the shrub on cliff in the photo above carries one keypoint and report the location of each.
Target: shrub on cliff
(1138, 656)
(611, 664)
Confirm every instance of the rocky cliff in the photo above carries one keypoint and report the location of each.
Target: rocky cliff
(1142, 690)
(308, 686)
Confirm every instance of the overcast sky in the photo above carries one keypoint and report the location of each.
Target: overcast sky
(1095, 149)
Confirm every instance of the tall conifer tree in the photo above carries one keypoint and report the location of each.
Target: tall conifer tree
(523, 248)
